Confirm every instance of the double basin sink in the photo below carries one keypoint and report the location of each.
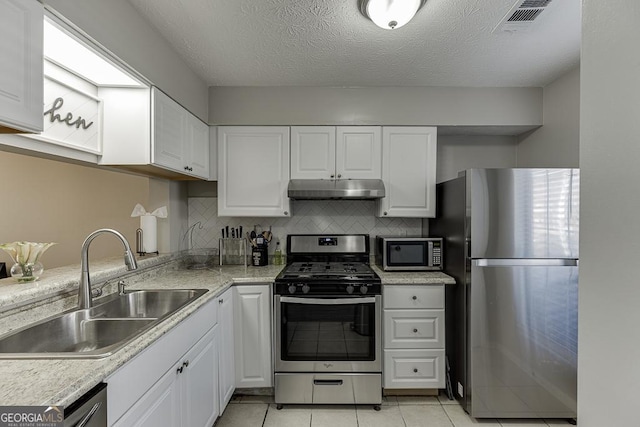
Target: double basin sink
(98, 331)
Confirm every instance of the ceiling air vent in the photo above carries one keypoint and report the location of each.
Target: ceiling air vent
(521, 16)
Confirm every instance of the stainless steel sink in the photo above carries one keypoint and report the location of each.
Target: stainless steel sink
(98, 331)
(145, 303)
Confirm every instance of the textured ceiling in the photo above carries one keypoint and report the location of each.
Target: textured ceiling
(329, 43)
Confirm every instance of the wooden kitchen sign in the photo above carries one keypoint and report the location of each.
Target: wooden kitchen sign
(72, 118)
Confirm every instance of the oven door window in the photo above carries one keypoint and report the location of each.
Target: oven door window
(328, 332)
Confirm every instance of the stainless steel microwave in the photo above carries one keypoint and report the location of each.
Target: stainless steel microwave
(409, 253)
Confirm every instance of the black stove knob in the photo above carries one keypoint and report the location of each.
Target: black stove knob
(292, 289)
(364, 289)
(305, 289)
(350, 289)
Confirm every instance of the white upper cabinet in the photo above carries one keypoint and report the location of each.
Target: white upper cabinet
(197, 147)
(358, 152)
(313, 152)
(329, 152)
(253, 171)
(180, 140)
(21, 72)
(169, 131)
(409, 172)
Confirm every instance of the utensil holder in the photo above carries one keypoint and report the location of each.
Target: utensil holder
(233, 251)
(259, 255)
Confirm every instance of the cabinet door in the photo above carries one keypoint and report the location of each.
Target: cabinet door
(21, 73)
(199, 378)
(359, 152)
(253, 171)
(414, 369)
(409, 172)
(169, 124)
(252, 326)
(313, 152)
(159, 407)
(413, 296)
(413, 329)
(227, 374)
(197, 147)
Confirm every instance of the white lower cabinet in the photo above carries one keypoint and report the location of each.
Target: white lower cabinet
(414, 332)
(227, 373)
(252, 328)
(166, 385)
(185, 395)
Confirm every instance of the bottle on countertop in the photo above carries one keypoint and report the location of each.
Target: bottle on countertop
(277, 255)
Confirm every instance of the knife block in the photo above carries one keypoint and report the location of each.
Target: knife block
(233, 251)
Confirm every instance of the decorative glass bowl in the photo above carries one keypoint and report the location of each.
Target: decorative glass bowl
(26, 255)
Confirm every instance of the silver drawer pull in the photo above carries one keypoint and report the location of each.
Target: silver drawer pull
(89, 415)
(327, 382)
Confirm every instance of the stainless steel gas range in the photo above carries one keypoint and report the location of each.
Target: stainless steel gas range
(327, 308)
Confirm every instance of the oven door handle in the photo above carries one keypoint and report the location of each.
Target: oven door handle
(328, 301)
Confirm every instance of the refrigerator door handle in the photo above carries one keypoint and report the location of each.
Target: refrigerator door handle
(526, 262)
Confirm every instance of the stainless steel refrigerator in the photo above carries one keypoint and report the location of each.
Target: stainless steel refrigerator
(511, 243)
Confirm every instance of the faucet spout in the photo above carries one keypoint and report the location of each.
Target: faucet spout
(84, 289)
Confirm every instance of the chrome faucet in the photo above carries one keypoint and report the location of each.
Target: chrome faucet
(84, 291)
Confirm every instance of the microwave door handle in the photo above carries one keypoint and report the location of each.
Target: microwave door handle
(328, 301)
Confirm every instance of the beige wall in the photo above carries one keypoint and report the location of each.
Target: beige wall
(557, 142)
(49, 201)
(609, 314)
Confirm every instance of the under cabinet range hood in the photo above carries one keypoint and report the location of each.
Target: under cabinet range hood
(323, 189)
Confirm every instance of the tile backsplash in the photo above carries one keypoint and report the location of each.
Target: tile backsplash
(309, 216)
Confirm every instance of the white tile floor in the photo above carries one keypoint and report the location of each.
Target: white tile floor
(401, 411)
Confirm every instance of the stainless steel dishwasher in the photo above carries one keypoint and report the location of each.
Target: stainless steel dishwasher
(88, 411)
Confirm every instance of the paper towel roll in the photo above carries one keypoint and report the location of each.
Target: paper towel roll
(149, 226)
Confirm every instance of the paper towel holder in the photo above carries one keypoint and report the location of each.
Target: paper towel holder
(139, 248)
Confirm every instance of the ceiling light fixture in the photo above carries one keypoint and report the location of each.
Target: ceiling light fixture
(390, 14)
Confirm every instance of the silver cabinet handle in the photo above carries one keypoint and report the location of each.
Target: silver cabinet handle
(83, 422)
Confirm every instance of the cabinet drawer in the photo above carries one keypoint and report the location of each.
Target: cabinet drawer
(413, 329)
(414, 369)
(413, 296)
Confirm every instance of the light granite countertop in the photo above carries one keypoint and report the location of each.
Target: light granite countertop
(62, 381)
(413, 278)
